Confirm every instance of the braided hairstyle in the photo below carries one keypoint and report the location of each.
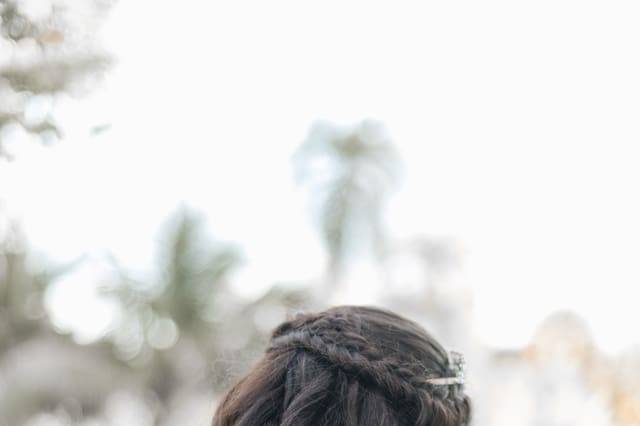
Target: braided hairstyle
(351, 366)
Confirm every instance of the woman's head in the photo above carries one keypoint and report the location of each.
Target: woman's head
(348, 365)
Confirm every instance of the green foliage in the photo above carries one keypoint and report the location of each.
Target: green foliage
(192, 270)
(350, 172)
(22, 313)
(190, 311)
(42, 55)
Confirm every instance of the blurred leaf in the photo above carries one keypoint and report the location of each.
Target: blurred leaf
(48, 55)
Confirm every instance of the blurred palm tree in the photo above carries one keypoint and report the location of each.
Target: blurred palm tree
(350, 172)
(186, 328)
(175, 304)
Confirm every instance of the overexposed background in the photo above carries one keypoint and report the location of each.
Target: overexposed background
(515, 124)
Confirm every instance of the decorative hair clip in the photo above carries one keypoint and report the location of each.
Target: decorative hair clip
(457, 366)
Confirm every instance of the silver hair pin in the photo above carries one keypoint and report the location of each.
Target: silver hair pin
(457, 365)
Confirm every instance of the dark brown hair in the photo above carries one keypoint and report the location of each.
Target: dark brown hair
(350, 366)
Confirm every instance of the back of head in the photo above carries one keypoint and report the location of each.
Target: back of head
(348, 366)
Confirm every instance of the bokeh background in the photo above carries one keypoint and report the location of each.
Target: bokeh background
(178, 177)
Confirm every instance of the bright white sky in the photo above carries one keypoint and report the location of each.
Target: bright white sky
(517, 121)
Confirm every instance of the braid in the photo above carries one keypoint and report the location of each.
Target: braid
(376, 371)
(347, 366)
(334, 339)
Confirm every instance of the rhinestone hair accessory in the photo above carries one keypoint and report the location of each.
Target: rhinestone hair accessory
(457, 366)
